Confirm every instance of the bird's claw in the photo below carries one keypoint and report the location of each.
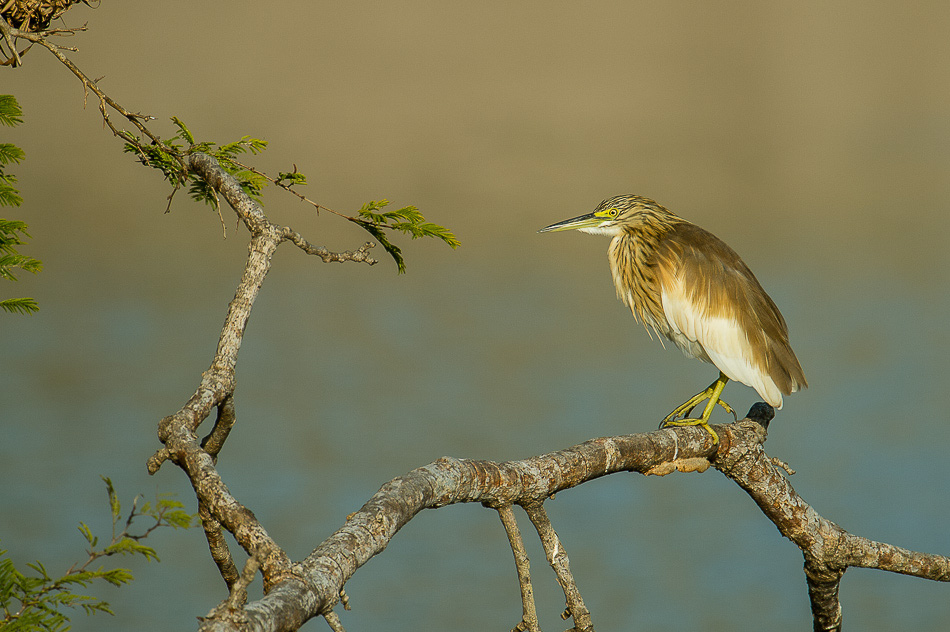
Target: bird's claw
(692, 422)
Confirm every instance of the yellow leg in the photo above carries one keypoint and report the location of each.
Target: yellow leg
(712, 394)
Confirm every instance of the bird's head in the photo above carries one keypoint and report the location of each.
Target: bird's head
(610, 217)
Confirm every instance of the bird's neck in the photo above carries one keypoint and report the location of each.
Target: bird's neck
(633, 263)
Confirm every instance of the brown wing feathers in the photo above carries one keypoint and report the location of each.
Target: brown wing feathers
(718, 280)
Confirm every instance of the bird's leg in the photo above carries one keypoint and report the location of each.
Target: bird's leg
(685, 409)
(712, 394)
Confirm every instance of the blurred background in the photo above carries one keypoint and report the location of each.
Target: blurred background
(813, 137)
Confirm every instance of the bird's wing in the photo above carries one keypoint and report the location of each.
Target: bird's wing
(712, 298)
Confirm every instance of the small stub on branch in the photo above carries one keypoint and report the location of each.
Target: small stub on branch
(693, 464)
(777, 462)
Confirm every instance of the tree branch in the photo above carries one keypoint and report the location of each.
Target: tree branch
(315, 586)
(529, 617)
(216, 389)
(218, 546)
(557, 558)
(828, 549)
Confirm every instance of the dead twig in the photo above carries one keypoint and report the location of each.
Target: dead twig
(557, 558)
(529, 617)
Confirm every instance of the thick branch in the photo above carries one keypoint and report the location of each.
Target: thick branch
(318, 579)
(828, 549)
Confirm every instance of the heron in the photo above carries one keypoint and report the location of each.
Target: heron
(686, 285)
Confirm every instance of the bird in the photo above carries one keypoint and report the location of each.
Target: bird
(689, 287)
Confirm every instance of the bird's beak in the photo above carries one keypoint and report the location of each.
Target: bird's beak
(590, 220)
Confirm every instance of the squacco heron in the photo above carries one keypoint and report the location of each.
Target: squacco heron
(687, 285)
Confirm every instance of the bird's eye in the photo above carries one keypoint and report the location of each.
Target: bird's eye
(612, 212)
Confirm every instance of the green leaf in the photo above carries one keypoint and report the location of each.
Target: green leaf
(24, 306)
(291, 179)
(185, 132)
(368, 212)
(407, 220)
(39, 568)
(441, 232)
(409, 213)
(128, 546)
(10, 259)
(9, 229)
(394, 251)
(179, 519)
(10, 153)
(253, 145)
(87, 533)
(117, 576)
(10, 112)
(8, 195)
(113, 499)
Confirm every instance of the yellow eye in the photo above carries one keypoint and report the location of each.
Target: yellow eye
(612, 212)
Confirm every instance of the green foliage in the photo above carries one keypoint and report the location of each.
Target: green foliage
(169, 156)
(285, 179)
(36, 601)
(407, 220)
(10, 112)
(12, 232)
(11, 236)
(10, 115)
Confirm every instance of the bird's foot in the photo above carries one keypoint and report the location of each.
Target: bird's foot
(686, 409)
(711, 397)
(691, 422)
(725, 406)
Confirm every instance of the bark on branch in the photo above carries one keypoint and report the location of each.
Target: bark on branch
(216, 388)
(318, 579)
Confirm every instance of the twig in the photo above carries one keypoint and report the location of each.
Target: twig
(557, 558)
(361, 254)
(345, 599)
(289, 188)
(218, 546)
(223, 424)
(88, 83)
(333, 621)
(238, 596)
(529, 617)
(5, 29)
(231, 609)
